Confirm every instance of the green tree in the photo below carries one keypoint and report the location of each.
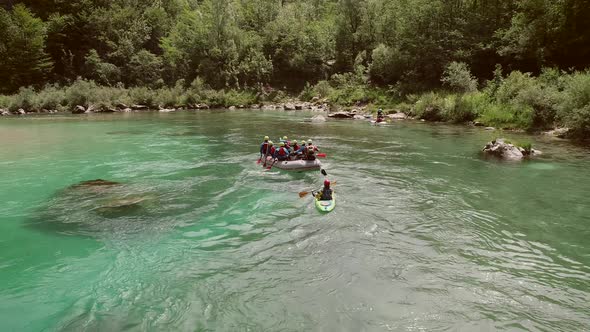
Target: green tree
(23, 60)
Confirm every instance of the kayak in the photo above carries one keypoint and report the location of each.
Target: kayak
(326, 206)
(295, 165)
(375, 123)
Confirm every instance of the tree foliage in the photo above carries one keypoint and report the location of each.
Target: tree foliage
(244, 43)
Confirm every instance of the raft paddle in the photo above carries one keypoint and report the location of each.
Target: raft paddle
(321, 155)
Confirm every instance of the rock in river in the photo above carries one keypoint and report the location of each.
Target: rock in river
(504, 150)
(99, 208)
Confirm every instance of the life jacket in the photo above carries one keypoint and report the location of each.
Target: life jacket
(273, 150)
(283, 152)
(310, 153)
(264, 148)
(296, 147)
(326, 194)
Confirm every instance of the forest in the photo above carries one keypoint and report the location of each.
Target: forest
(510, 63)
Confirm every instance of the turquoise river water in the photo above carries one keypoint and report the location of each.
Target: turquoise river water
(427, 235)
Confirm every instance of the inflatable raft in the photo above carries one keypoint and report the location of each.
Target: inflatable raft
(295, 165)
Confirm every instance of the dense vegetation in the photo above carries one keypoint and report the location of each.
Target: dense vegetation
(369, 51)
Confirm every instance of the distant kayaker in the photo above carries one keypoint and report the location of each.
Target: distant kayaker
(380, 116)
(326, 193)
(282, 153)
(265, 147)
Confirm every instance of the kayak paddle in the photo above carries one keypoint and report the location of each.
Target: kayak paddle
(305, 193)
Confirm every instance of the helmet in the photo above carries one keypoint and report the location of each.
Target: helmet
(294, 141)
(285, 138)
(266, 138)
(326, 183)
(270, 142)
(282, 144)
(309, 142)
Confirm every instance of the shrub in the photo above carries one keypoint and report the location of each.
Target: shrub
(469, 106)
(508, 116)
(81, 93)
(25, 98)
(307, 93)
(50, 98)
(574, 103)
(430, 107)
(322, 89)
(458, 78)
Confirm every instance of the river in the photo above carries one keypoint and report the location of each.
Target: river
(426, 236)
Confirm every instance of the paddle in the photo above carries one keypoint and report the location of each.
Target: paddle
(259, 159)
(273, 163)
(321, 155)
(305, 193)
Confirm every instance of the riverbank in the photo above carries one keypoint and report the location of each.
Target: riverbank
(554, 102)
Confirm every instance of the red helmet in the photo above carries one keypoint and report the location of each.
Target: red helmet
(327, 183)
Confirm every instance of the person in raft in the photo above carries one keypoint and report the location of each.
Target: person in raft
(265, 147)
(272, 150)
(282, 153)
(380, 116)
(301, 151)
(310, 143)
(295, 147)
(326, 193)
(309, 153)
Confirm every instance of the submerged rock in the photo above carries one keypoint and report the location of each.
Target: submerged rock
(318, 118)
(99, 208)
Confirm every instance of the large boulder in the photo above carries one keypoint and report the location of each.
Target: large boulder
(232, 108)
(21, 111)
(4, 112)
(318, 118)
(289, 107)
(504, 150)
(341, 115)
(79, 110)
(139, 107)
(358, 117)
(398, 116)
(559, 132)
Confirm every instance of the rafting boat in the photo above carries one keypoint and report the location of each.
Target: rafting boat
(326, 206)
(295, 165)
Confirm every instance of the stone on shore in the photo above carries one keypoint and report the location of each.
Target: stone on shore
(341, 115)
(559, 132)
(289, 107)
(79, 110)
(397, 116)
(139, 107)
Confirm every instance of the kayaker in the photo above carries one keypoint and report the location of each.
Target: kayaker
(265, 147)
(326, 193)
(282, 153)
(380, 115)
